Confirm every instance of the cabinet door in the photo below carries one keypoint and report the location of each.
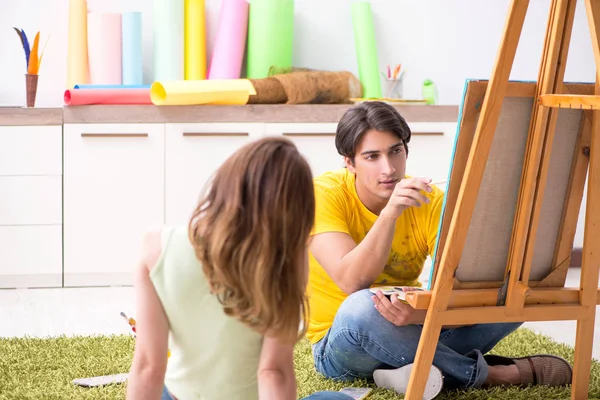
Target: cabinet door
(113, 191)
(31, 200)
(316, 141)
(30, 206)
(430, 150)
(193, 153)
(30, 150)
(31, 256)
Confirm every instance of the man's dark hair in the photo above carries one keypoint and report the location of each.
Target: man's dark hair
(363, 117)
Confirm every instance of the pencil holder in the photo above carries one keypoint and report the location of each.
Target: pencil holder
(393, 88)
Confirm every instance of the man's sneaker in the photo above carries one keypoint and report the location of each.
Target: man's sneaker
(397, 379)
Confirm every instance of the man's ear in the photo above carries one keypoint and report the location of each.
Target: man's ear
(349, 164)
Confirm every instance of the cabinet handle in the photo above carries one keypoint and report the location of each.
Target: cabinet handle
(308, 134)
(191, 134)
(114, 135)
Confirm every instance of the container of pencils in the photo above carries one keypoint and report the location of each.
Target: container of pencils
(393, 88)
(393, 85)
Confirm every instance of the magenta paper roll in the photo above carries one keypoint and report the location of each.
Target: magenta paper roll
(230, 42)
(104, 48)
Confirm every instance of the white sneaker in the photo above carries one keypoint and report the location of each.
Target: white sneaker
(397, 379)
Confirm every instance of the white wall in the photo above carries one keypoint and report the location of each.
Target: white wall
(445, 40)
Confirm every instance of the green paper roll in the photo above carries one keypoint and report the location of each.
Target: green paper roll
(167, 28)
(270, 36)
(366, 49)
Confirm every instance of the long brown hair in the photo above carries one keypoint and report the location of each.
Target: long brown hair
(250, 233)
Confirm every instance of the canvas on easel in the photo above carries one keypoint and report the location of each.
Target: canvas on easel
(522, 155)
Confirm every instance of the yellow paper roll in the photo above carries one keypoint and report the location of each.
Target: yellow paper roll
(77, 49)
(195, 40)
(211, 91)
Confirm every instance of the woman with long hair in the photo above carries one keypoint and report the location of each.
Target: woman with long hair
(226, 294)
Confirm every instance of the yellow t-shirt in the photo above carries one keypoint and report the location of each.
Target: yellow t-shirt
(338, 209)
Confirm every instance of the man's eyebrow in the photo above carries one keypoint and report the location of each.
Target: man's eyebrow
(369, 152)
(392, 147)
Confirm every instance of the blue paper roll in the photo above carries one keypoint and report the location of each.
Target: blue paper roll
(111, 87)
(132, 48)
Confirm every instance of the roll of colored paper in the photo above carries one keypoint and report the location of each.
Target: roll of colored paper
(132, 59)
(195, 40)
(230, 43)
(104, 47)
(270, 36)
(216, 91)
(76, 97)
(168, 25)
(77, 47)
(111, 87)
(366, 49)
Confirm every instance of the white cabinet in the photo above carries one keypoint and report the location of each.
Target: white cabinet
(30, 150)
(31, 206)
(316, 141)
(193, 153)
(113, 191)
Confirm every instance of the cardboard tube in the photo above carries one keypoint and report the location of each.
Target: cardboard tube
(77, 50)
(366, 49)
(104, 46)
(270, 36)
(195, 40)
(132, 48)
(168, 26)
(230, 43)
(111, 87)
(217, 91)
(75, 97)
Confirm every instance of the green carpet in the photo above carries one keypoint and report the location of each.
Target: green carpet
(44, 369)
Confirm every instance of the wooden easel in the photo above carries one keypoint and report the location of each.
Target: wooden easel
(517, 298)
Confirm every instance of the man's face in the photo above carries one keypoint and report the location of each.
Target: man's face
(379, 163)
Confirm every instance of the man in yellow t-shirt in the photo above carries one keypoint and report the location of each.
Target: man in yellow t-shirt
(375, 226)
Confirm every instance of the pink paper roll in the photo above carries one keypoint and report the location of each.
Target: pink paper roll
(104, 48)
(230, 42)
(77, 97)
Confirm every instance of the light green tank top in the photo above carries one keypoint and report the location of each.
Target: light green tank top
(213, 356)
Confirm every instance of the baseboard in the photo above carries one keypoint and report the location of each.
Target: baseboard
(576, 256)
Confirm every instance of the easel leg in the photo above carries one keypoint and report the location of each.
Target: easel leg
(492, 105)
(591, 256)
(423, 359)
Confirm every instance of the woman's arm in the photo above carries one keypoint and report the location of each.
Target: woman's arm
(146, 377)
(276, 378)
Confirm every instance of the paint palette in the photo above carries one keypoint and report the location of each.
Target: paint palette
(393, 290)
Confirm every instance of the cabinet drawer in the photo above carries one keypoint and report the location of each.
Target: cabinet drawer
(31, 150)
(31, 256)
(30, 200)
(193, 153)
(316, 141)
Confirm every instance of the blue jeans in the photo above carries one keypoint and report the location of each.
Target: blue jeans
(166, 395)
(326, 395)
(361, 341)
